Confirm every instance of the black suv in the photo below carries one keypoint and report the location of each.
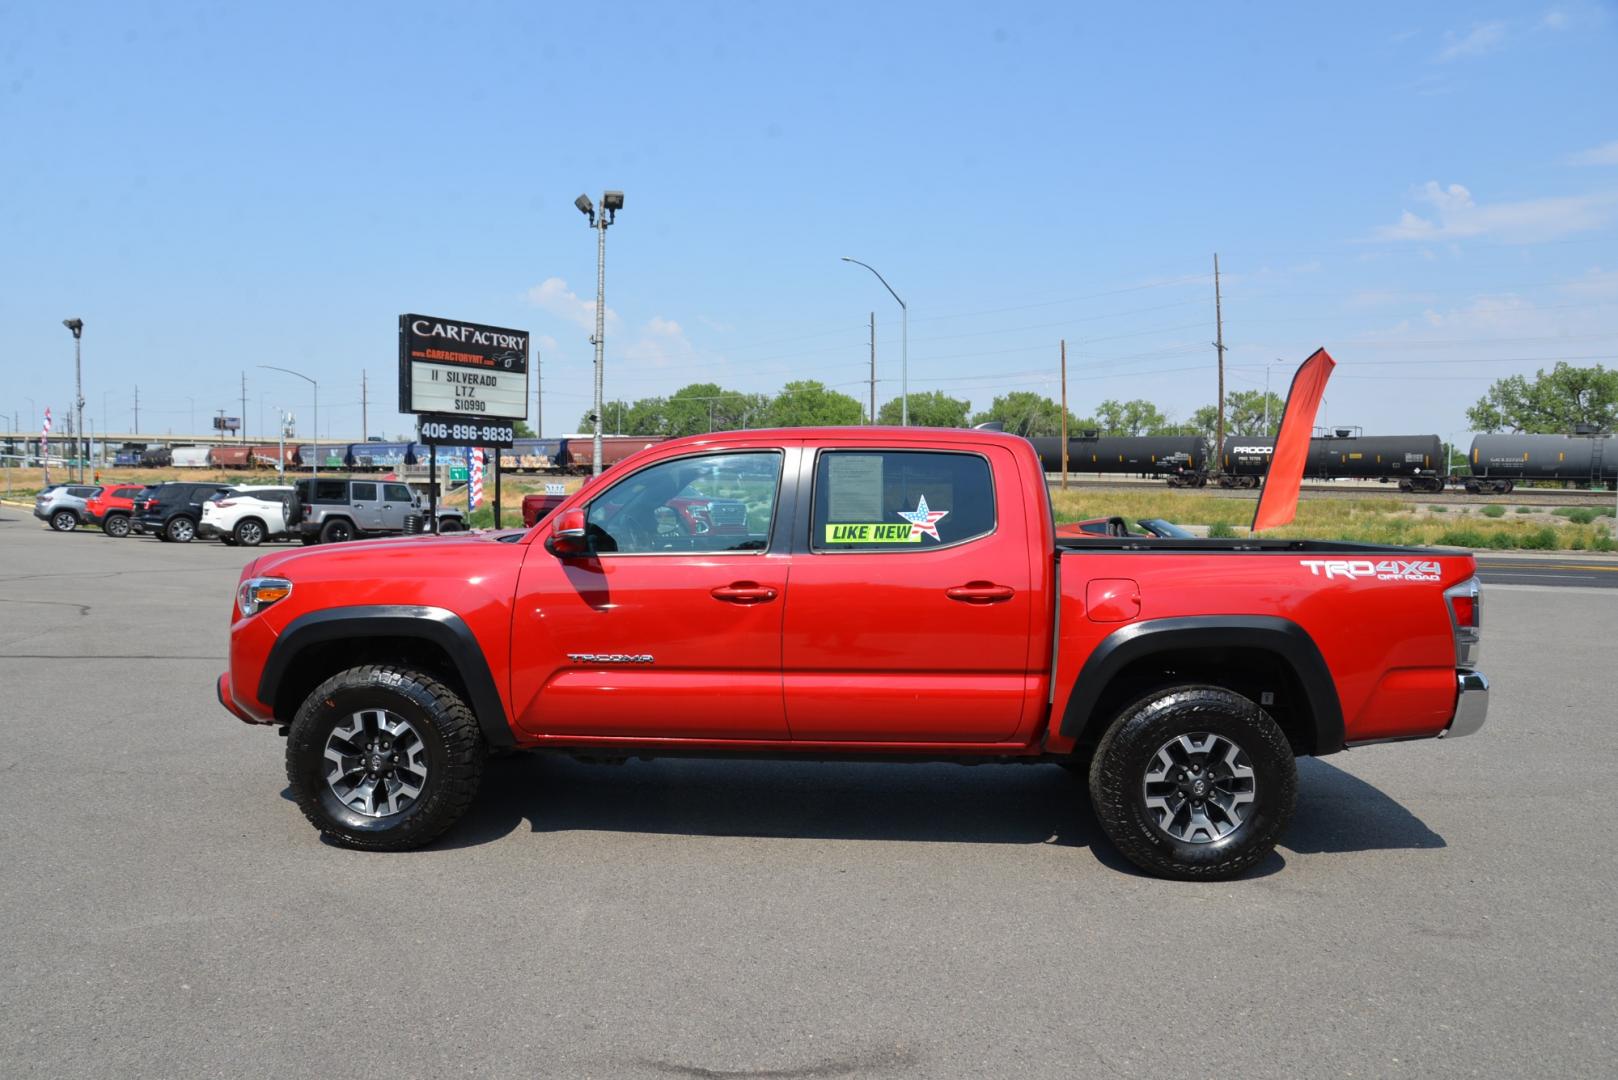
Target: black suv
(171, 511)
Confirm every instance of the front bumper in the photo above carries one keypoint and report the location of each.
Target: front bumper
(1471, 705)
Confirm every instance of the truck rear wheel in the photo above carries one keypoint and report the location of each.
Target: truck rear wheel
(1194, 782)
(384, 758)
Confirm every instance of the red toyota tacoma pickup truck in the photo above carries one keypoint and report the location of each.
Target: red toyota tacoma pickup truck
(887, 593)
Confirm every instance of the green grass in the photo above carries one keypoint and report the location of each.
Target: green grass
(1525, 509)
(1439, 509)
(1494, 510)
(1220, 531)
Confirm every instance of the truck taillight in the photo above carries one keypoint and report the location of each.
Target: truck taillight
(1466, 619)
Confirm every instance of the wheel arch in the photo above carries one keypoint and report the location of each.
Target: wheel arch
(318, 644)
(1250, 654)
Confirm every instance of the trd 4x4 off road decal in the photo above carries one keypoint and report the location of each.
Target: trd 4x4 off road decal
(1381, 570)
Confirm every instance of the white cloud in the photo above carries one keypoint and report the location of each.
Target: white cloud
(553, 295)
(1597, 284)
(662, 342)
(1457, 216)
(1606, 154)
(1482, 39)
(1554, 20)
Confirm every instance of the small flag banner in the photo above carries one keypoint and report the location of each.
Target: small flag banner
(474, 474)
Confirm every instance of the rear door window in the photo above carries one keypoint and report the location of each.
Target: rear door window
(900, 500)
(364, 492)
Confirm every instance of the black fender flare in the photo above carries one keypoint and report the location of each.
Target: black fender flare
(438, 626)
(1283, 637)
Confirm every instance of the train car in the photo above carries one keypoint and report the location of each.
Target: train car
(330, 455)
(127, 458)
(231, 457)
(577, 452)
(157, 457)
(377, 456)
(1499, 461)
(189, 457)
(1415, 462)
(530, 455)
(270, 457)
(1152, 454)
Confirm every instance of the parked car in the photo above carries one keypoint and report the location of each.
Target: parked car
(111, 508)
(63, 505)
(173, 511)
(137, 504)
(335, 510)
(897, 591)
(249, 515)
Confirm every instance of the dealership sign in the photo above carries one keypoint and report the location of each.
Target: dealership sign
(459, 369)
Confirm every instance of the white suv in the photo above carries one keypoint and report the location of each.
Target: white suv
(248, 515)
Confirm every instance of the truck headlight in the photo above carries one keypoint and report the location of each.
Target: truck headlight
(256, 594)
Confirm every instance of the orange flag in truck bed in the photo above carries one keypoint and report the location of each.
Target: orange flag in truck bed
(1278, 502)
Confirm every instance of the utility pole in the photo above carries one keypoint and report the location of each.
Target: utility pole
(1219, 346)
(873, 367)
(539, 397)
(242, 430)
(365, 401)
(1064, 414)
(137, 409)
(77, 327)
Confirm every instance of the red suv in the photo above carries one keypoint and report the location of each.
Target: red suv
(111, 508)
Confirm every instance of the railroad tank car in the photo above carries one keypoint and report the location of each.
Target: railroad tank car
(1416, 462)
(377, 456)
(1123, 453)
(1498, 461)
(157, 457)
(530, 455)
(189, 457)
(577, 452)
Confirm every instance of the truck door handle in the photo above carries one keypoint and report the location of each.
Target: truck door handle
(980, 592)
(744, 592)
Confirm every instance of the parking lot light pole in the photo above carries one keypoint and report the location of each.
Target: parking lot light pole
(79, 447)
(904, 343)
(611, 203)
(316, 385)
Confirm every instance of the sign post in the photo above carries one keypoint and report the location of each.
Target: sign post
(468, 377)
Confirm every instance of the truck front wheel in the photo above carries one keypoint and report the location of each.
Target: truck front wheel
(384, 758)
(1194, 782)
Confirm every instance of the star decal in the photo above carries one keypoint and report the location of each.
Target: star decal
(922, 520)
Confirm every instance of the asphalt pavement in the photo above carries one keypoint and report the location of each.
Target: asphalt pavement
(1437, 909)
(1563, 570)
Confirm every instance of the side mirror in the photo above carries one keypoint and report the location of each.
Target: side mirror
(567, 534)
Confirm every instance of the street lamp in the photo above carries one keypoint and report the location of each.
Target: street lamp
(611, 203)
(904, 344)
(316, 385)
(77, 326)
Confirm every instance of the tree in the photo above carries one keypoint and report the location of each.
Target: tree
(703, 407)
(1026, 413)
(1128, 417)
(809, 403)
(1245, 413)
(929, 408)
(521, 430)
(1206, 422)
(643, 417)
(1551, 404)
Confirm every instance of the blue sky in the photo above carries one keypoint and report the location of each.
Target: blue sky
(1430, 191)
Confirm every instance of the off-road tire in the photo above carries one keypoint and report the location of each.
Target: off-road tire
(64, 520)
(180, 529)
(337, 531)
(1126, 753)
(454, 746)
(116, 525)
(249, 532)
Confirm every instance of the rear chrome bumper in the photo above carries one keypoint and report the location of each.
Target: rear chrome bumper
(1471, 705)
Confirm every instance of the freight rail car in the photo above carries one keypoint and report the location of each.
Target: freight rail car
(1499, 461)
(378, 456)
(531, 455)
(1414, 462)
(577, 452)
(1172, 455)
